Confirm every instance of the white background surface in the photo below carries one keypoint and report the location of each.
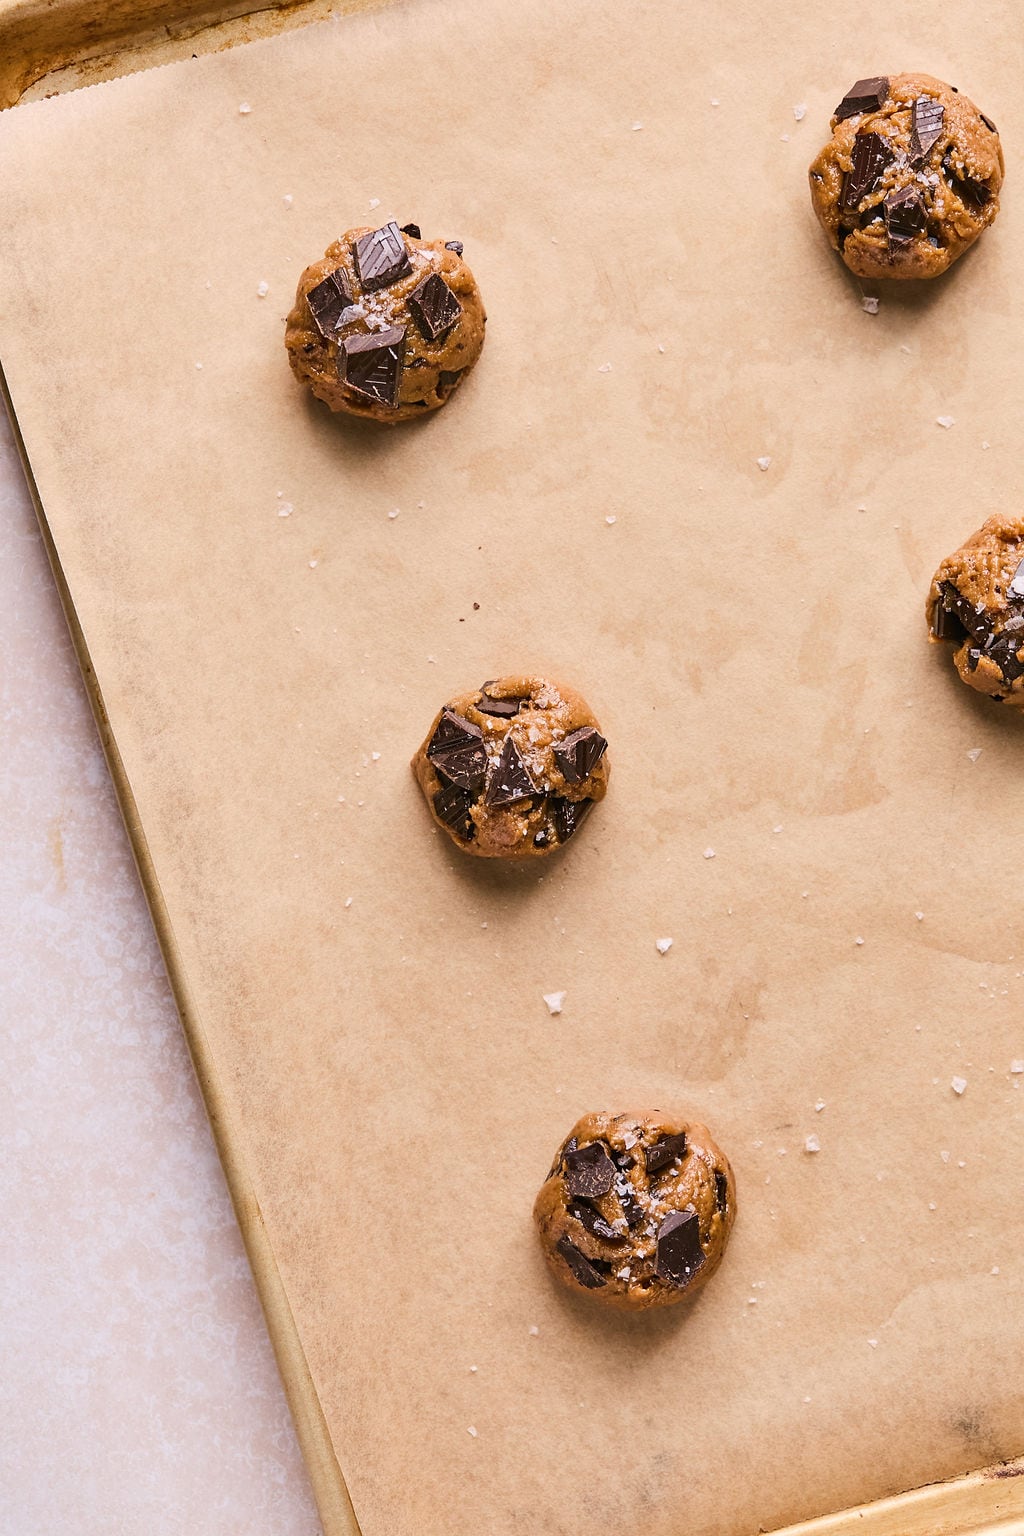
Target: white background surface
(138, 1389)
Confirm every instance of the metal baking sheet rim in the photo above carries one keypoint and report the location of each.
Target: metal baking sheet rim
(85, 39)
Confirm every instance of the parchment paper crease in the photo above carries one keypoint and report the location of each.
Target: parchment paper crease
(629, 182)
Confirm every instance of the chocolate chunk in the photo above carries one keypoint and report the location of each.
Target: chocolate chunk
(589, 1172)
(989, 124)
(664, 1152)
(373, 364)
(381, 257)
(866, 96)
(327, 301)
(595, 1222)
(579, 754)
(434, 307)
(510, 781)
(872, 157)
(567, 815)
(413, 231)
(584, 1270)
(955, 618)
(624, 1160)
(721, 1190)
(453, 805)
(680, 1254)
(926, 120)
(452, 733)
(1017, 582)
(631, 1207)
(503, 709)
(973, 194)
(457, 246)
(905, 216)
(1003, 649)
(447, 380)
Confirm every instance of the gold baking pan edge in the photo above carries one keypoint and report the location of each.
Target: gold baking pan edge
(330, 1491)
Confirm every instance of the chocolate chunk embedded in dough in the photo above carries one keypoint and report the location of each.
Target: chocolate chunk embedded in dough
(926, 116)
(381, 257)
(664, 1152)
(589, 1171)
(327, 302)
(434, 307)
(579, 754)
(372, 365)
(510, 778)
(680, 1254)
(865, 96)
(871, 158)
(584, 1270)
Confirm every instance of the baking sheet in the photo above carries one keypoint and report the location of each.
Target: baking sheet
(795, 771)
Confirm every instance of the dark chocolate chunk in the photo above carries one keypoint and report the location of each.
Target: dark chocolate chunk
(503, 709)
(973, 194)
(447, 380)
(721, 1190)
(866, 96)
(989, 124)
(680, 1254)
(413, 231)
(872, 157)
(589, 1172)
(595, 1222)
(926, 120)
(631, 1207)
(434, 307)
(664, 1152)
(567, 815)
(452, 733)
(905, 216)
(584, 1270)
(326, 302)
(453, 805)
(510, 780)
(457, 246)
(959, 618)
(373, 364)
(1017, 582)
(1003, 649)
(381, 257)
(541, 839)
(579, 754)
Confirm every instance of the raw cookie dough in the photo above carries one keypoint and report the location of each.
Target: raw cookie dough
(387, 325)
(511, 769)
(909, 178)
(976, 600)
(637, 1209)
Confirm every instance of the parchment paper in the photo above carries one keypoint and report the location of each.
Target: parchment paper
(626, 179)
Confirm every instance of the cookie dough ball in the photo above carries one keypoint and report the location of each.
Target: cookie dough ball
(910, 177)
(387, 325)
(637, 1209)
(511, 769)
(976, 601)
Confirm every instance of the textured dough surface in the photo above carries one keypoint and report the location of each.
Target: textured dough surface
(958, 181)
(536, 825)
(624, 1267)
(432, 369)
(972, 603)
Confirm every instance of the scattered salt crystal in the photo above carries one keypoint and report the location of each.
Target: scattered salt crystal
(751, 1301)
(393, 513)
(375, 757)
(800, 111)
(819, 1105)
(974, 754)
(873, 1343)
(986, 445)
(661, 349)
(534, 1331)
(776, 829)
(245, 109)
(314, 563)
(199, 365)
(932, 1206)
(812, 1144)
(554, 1001)
(263, 290)
(858, 941)
(472, 1370)
(945, 422)
(663, 946)
(709, 853)
(611, 518)
(869, 304)
(784, 137)
(944, 1156)
(636, 127)
(1017, 1065)
(763, 463)
(715, 102)
(622, 1274)
(919, 916)
(287, 200)
(994, 1270)
(605, 368)
(285, 509)
(958, 1084)
(348, 899)
(961, 1163)
(472, 1431)
(806, 1399)
(374, 203)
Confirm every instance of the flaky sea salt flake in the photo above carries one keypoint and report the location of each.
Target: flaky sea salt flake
(244, 109)
(764, 463)
(554, 1001)
(945, 422)
(958, 1084)
(869, 304)
(262, 290)
(663, 946)
(812, 1144)
(800, 111)
(974, 753)
(709, 853)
